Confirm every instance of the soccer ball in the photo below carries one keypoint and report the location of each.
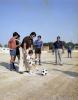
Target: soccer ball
(44, 72)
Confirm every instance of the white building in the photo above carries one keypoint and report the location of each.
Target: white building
(4, 50)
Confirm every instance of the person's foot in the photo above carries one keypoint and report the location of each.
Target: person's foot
(35, 61)
(27, 71)
(11, 69)
(61, 64)
(40, 64)
(14, 69)
(21, 72)
(30, 73)
(55, 63)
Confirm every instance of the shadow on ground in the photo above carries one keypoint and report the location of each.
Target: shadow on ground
(70, 73)
(53, 63)
(48, 62)
(7, 65)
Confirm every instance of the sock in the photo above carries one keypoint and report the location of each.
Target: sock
(39, 61)
(14, 66)
(11, 65)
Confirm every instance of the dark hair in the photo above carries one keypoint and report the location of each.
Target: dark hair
(39, 36)
(15, 34)
(58, 37)
(33, 33)
(30, 52)
(18, 36)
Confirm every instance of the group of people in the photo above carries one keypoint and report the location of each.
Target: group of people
(28, 45)
(27, 49)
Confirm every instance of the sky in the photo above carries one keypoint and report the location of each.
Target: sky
(48, 18)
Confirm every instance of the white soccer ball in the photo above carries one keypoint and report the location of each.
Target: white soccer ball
(44, 72)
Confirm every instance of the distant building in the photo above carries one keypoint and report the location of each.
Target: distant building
(4, 50)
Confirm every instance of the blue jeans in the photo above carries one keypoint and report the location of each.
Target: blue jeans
(13, 52)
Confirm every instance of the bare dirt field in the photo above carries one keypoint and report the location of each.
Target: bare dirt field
(61, 82)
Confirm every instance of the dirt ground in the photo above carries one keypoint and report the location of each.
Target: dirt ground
(61, 82)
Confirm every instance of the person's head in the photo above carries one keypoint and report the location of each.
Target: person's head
(18, 37)
(32, 35)
(30, 52)
(58, 38)
(15, 35)
(39, 37)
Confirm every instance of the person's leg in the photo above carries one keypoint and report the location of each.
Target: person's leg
(15, 58)
(35, 58)
(68, 54)
(12, 60)
(12, 66)
(56, 56)
(26, 64)
(60, 56)
(39, 58)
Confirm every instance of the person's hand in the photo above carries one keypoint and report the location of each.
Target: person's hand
(25, 52)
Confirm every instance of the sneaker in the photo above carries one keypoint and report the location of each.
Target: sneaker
(11, 69)
(30, 73)
(27, 71)
(40, 64)
(21, 72)
(60, 64)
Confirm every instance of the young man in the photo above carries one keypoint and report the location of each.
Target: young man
(12, 46)
(27, 44)
(58, 47)
(38, 46)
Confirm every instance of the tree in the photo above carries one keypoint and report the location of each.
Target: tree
(5, 45)
(70, 44)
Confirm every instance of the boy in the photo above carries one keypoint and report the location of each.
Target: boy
(38, 46)
(12, 46)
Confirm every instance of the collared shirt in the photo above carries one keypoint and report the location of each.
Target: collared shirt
(28, 42)
(38, 43)
(58, 45)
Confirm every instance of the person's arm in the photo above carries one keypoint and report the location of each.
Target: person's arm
(17, 43)
(9, 42)
(31, 48)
